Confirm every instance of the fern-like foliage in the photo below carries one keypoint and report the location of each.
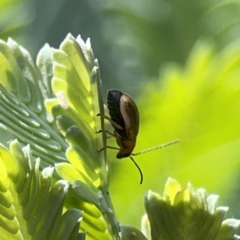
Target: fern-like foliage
(76, 82)
(23, 116)
(186, 214)
(51, 109)
(31, 208)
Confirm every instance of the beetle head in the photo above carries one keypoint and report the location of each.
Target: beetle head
(126, 147)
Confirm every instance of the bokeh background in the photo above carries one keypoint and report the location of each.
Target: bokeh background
(180, 61)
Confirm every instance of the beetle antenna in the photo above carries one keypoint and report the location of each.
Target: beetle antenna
(157, 147)
(139, 169)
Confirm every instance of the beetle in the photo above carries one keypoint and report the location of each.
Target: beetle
(124, 118)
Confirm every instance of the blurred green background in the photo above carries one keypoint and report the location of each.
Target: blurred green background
(180, 60)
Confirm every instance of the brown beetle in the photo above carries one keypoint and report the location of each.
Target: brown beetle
(125, 121)
(124, 118)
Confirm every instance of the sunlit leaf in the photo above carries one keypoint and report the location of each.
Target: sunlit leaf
(188, 218)
(30, 207)
(76, 84)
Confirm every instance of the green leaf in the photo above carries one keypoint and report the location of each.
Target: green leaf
(187, 214)
(131, 233)
(44, 64)
(75, 108)
(76, 84)
(23, 115)
(30, 208)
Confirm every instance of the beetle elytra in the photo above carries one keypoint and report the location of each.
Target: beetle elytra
(124, 118)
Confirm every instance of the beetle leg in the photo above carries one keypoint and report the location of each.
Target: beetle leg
(112, 135)
(108, 147)
(106, 131)
(114, 124)
(103, 116)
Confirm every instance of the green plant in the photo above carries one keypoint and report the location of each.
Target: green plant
(51, 109)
